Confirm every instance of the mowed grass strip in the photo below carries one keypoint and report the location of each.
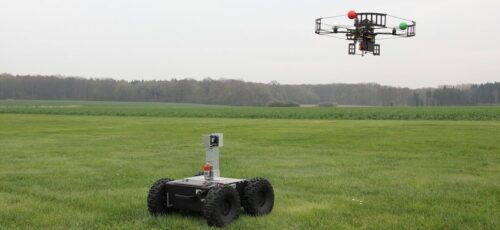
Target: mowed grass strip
(93, 172)
(156, 109)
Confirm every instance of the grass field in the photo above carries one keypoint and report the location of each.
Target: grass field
(212, 111)
(93, 172)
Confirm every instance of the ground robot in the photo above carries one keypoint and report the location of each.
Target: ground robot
(219, 199)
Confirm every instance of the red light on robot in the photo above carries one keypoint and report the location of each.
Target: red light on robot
(352, 14)
(207, 167)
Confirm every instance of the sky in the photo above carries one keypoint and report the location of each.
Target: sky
(257, 41)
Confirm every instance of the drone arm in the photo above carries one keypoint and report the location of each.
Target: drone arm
(324, 28)
(389, 33)
(408, 32)
(332, 31)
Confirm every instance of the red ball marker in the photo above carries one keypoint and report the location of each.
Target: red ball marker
(352, 14)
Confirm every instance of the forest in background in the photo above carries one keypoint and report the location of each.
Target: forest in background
(237, 92)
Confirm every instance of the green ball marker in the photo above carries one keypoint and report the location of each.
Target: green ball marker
(403, 26)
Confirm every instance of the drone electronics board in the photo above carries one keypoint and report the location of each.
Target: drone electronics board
(365, 29)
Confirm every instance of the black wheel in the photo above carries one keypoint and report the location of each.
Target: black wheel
(157, 198)
(222, 205)
(258, 197)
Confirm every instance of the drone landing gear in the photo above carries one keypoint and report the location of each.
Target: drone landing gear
(352, 48)
(365, 47)
(376, 50)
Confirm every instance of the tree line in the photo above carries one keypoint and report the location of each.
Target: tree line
(237, 92)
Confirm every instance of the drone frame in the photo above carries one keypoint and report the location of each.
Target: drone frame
(367, 26)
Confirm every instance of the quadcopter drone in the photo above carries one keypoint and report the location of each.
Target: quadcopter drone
(367, 27)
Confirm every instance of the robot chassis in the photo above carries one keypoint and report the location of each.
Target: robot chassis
(219, 199)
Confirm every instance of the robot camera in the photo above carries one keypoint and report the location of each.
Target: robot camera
(213, 140)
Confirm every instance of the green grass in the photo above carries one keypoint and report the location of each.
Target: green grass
(211, 111)
(93, 172)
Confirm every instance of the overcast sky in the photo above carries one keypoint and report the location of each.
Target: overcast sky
(253, 40)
